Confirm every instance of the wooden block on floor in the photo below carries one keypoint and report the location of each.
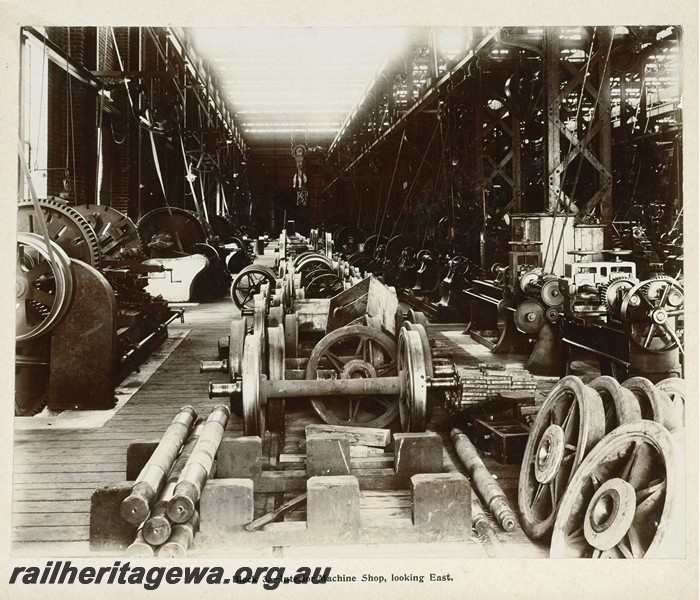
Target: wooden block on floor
(365, 436)
(137, 455)
(225, 507)
(240, 458)
(416, 453)
(108, 530)
(442, 503)
(327, 455)
(333, 506)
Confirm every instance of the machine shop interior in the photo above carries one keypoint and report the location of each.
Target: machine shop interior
(286, 292)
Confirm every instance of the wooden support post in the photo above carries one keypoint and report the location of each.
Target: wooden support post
(240, 458)
(108, 530)
(327, 455)
(416, 453)
(441, 503)
(333, 506)
(225, 507)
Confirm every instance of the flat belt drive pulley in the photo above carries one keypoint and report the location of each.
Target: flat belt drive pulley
(367, 386)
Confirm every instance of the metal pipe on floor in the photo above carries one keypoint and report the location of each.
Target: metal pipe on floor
(199, 466)
(136, 506)
(482, 480)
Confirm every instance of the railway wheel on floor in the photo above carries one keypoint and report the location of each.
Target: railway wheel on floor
(248, 283)
(620, 404)
(411, 364)
(626, 499)
(355, 351)
(569, 424)
(275, 409)
(253, 404)
(654, 402)
(674, 387)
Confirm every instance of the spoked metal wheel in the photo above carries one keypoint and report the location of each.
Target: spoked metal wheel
(621, 405)
(569, 424)
(44, 287)
(652, 314)
(324, 285)
(654, 402)
(413, 399)
(624, 499)
(675, 389)
(248, 283)
(353, 352)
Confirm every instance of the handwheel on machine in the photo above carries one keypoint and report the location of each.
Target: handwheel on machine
(247, 283)
(569, 424)
(367, 353)
(626, 498)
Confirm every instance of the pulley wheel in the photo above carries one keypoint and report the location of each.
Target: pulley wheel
(44, 287)
(569, 424)
(355, 351)
(530, 316)
(551, 294)
(625, 497)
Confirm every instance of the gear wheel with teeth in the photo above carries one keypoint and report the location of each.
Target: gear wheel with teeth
(66, 226)
(613, 292)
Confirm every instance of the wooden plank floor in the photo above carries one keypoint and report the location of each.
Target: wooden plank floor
(56, 471)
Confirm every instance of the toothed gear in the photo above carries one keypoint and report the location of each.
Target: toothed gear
(116, 233)
(66, 226)
(611, 297)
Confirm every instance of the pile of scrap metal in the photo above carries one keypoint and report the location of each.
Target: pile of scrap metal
(84, 319)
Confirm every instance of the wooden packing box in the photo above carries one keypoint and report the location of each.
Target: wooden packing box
(504, 440)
